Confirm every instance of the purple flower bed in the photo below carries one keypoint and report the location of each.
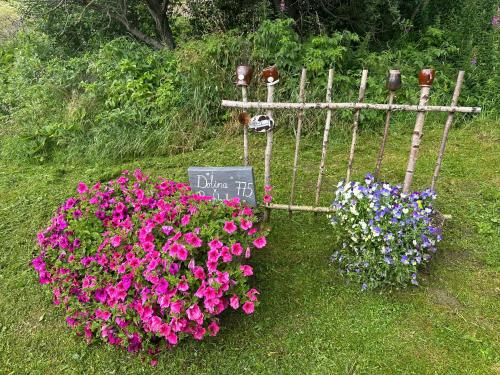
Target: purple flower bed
(142, 263)
(385, 236)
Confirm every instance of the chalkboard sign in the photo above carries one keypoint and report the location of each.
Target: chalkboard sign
(224, 182)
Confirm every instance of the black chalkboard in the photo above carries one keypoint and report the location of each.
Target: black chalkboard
(224, 182)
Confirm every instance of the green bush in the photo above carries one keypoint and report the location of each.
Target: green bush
(124, 100)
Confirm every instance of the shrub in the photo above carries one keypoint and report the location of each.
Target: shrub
(142, 263)
(385, 236)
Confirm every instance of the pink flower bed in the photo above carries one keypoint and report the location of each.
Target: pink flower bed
(142, 263)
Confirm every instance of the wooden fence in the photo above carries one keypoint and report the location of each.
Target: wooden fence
(270, 76)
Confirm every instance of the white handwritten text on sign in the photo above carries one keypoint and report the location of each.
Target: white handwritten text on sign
(223, 182)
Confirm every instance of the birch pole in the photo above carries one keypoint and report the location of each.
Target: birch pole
(384, 138)
(447, 126)
(356, 106)
(300, 117)
(268, 151)
(325, 136)
(426, 78)
(361, 97)
(244, 94)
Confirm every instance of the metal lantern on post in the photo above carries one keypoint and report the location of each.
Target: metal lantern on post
(394, 80)
(393, 84)
(244, 74)
(270, 75)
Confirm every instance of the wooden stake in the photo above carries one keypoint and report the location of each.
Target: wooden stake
(325, 136)
(300, 117)
(244, 94)
(361, 97)
(384, 138)
(415, 142)
(269, 149)
(372, 106)
(447, 126)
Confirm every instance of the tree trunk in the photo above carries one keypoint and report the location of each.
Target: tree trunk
(159, 13)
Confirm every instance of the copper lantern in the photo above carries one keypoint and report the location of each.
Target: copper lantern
(270, 75)
(394, 80)
(244, 75)
(426, 77)
(244, 118)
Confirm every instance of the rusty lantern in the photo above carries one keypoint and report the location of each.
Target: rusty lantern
(244, 118)
(270, 75)
(394, 80)
(244, 75)
(426, 77)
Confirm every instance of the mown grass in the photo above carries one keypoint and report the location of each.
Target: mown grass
(309, 320)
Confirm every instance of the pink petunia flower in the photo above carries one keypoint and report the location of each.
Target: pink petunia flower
(82, 188)
(248, 307)
(247, 270)
(215, 244)
(234, 302)
(260, 242)
(246, 224)
(230, 227)
(185, 220)
(172, 338)
(101, 314)
(236, 249)
(116, 241)
(213, 328)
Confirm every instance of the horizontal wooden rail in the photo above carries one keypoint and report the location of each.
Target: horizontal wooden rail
(289, 207)
(383, 107)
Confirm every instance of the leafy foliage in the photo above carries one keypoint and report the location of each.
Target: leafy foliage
(123, 100)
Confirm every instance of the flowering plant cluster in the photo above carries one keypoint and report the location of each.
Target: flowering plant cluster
(385, 236)
(142, 263)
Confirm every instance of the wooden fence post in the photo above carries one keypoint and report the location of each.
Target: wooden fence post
(243, 77)
(447, 126)
(270, 76)
(326, 133)
(244, 94)
(425, 78)
(300, 117)
(393, 84)
(361, 97)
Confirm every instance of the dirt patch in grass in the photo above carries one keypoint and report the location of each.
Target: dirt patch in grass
(442, 297)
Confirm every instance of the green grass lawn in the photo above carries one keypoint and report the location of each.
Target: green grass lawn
(309, 321)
